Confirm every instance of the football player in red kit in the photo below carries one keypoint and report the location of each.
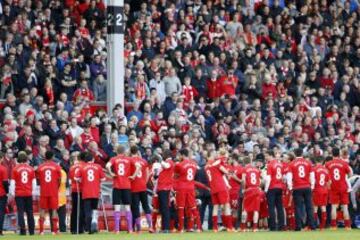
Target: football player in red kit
(235, 183)
(77, 215)
(215, 172)
(301, 179)
(339, 171)
(22, 187)
(120, 168)
(49, 176)
(90, 176)
(185, 171)
(287, 198)
(4, 189)
(320, 191)
(252, 193)
(139, 179)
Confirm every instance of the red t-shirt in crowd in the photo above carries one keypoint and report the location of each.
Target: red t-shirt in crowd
(75, 187)
(122, 167)
(185, 171)
(275, 170)
(49, 176)
(3, 177)
(338, 169)
(252, 176)
(166, 177)
(300, 169)
(138, 184)
(23, 175)
(215, 176)
(91, 175)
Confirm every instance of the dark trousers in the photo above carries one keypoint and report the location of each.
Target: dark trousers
(90, 204)
(164, 197)
(75, 197)
(274, 199)
(3, 201)
(24, 205)
(62, 218)
(206, 201)
(136, 198)
(303, 197)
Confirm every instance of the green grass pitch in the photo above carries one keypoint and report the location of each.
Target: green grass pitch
(315, 235)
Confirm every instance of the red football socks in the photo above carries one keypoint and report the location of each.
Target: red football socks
(55, 222)
(41, 224)
(215, 222)
(181, 219)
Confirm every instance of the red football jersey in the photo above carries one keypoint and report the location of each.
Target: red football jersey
(3, 177)
(338, 169)
(235, 185)
(75, 187)
(23, 175)
(300, 169)
(122, 167)
(185, 171)
(275, 170)
(140, 180)
(49, 176)
(166, 177)
(215, 176)
(321, 178)
(252, 176)
(91, 175)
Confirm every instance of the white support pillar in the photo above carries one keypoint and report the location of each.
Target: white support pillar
(115, 58)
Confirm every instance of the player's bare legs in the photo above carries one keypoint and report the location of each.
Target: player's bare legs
(255, 221)
(243, 221)
(334, 208)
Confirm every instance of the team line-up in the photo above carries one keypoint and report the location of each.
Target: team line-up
(288, 192)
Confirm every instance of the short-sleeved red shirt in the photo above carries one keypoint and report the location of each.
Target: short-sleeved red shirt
(321, 178)
(215, 176)
(3, 177)
(91, 175)
(252, 176)
(275, 170)
(300, 169)
(75, 187)
(235, 185)
(185, 171)
(49, 176)
(166, 177)
(122, 167)
(338, 169)
(140, 180)
(23, 175)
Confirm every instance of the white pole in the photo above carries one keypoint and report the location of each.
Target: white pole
(115, 59)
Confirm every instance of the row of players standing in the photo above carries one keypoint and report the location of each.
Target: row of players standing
(310, 187)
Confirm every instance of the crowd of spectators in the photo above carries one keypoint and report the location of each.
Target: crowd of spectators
(247, 75)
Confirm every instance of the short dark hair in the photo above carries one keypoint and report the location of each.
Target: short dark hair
(22, 157)
(184, 152)
(82, 156)
(336, 152)
(88, 157)
(49, 155)
(134, 149)
(298, 152)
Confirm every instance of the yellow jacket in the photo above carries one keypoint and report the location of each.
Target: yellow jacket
(62, 189)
